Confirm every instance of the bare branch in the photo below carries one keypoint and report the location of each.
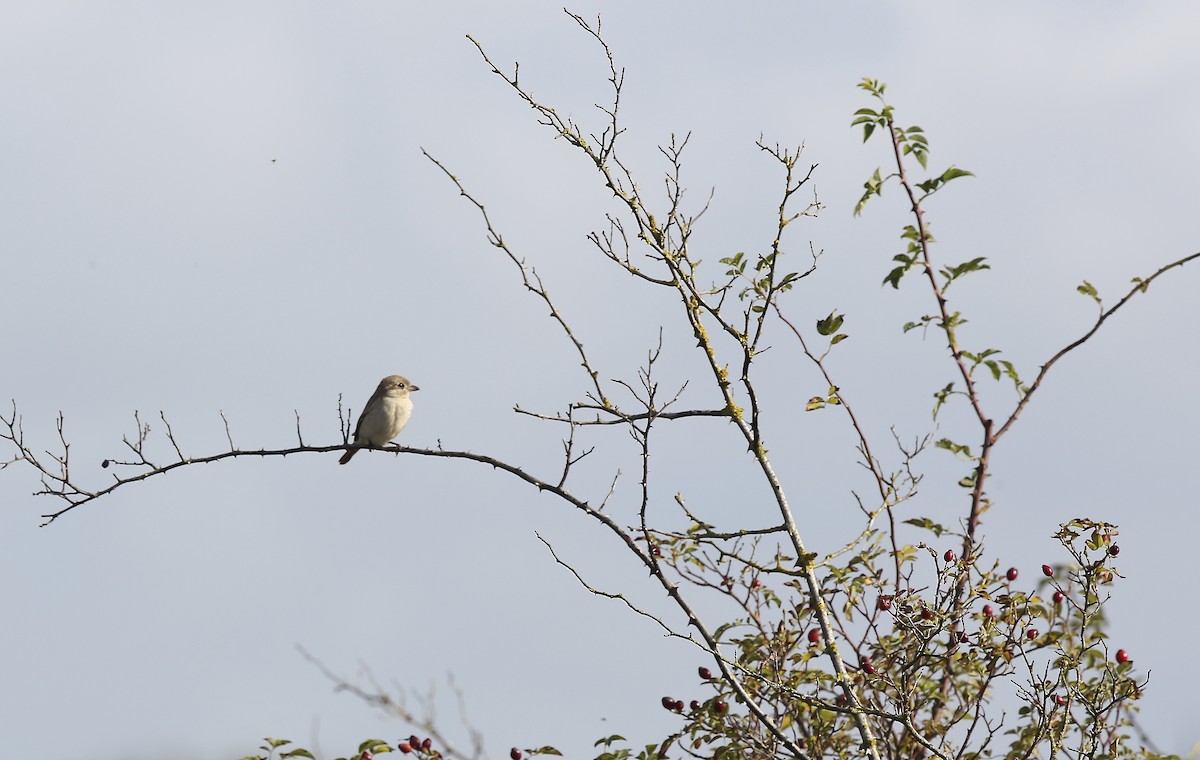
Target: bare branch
(1140, 286)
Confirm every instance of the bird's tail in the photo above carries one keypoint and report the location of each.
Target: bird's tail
(348, 455)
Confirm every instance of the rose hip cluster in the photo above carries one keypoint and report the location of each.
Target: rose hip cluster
(415, 744)
(718, 706)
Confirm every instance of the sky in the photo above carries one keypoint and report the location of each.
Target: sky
(223, 207)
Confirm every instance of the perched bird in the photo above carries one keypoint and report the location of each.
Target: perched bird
(384, 416)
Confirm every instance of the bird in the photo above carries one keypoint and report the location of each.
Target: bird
(384, 416)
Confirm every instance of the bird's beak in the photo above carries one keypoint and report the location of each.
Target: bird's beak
(413, 388)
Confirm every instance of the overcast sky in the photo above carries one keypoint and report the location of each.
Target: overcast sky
(222, 206)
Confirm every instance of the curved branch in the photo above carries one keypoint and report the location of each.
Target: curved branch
(1140, 286)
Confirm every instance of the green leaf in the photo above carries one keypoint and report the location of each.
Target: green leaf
(952, 273)
(306, 753)
(838, 339)
(954, 173)
(374, 745)
(873, 186)
(873, 86)
(927, 524)
(1089, 290)
(830, 324)
(941, 397)
(955, 448)
(934, 184)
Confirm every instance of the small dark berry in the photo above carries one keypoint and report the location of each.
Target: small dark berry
(949, 555)
(404, 747)
(868, 667)
(414, 741)
(1047, 571)
(841, 699)
(104, 464)
(1060, 700)
(987, 611)
(962, 637)
(1031, 634)
(695, 705)
(705, 673)
(719, 706)
(425, 745)
(926, 613)
(655, 550)
(1058, 597)
(1114, 550)
(668, 703)
(514, 753)
(366, 755)
(1011, 574)
(1122, 656)
(814, 636)
(678, 706)
(883, 603)
(756, 583)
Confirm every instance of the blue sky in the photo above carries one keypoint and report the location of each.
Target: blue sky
(223, 206)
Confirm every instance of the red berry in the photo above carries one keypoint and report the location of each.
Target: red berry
(1114, 550)
(883, 603)
(814, 636)
(697, 744)
(668, 703)
(962, 637)
(755, 583)
(414, 741)
(949, 555)
(1011, 574)
(987, 611)
(926, 613)
(1031, 634)
(1060, 700)
(867, 666)
(655, 550)
(425, 745)
(694, 705)
(720, 706)
(841, 699)
(679, 705)
(404, 747)
(1122, 656)
(514, 753)
(1047, 571)
(705, 673)
(1058, 597)
(366, 755)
